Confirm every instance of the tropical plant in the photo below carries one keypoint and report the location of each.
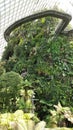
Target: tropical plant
(18, 121)
(61, 116)
(9, 90)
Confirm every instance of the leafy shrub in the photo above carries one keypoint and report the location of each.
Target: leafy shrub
(61, 116)
(9, 90)
(18, 121)
(2, 69)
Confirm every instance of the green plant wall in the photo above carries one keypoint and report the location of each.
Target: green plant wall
(47, 64)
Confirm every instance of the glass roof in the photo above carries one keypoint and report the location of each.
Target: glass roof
(14, 10)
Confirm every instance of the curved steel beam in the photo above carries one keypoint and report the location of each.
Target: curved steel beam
(65, 21)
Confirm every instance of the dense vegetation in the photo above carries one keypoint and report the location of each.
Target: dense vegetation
(46, 66)
(9, 90)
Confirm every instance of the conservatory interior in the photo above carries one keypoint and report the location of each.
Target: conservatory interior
(36, 64)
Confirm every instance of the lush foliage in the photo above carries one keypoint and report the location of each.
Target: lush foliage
(45, 63)
(18, 121)
(23, 121)
(9, 90)
(2, 69)
(61, 116)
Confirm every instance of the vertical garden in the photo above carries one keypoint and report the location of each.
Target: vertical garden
(36, 75)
